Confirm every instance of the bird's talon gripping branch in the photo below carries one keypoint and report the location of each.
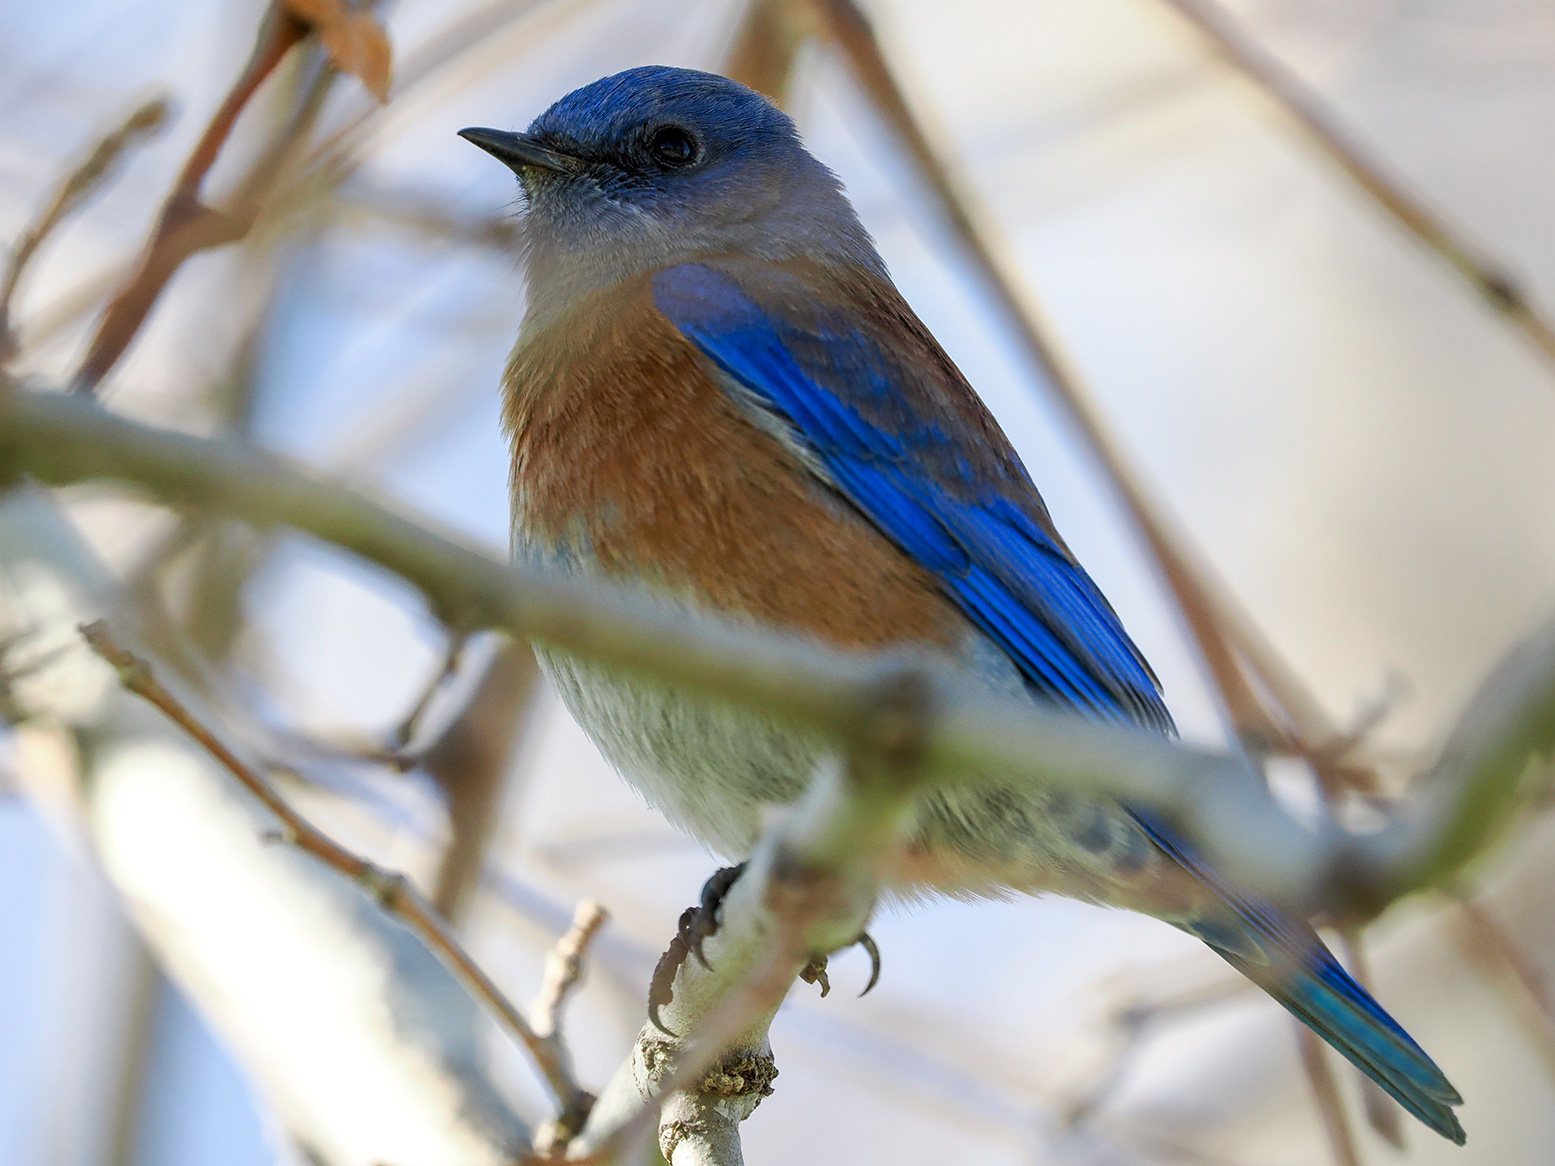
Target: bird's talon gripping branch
(697, 924)
(815, 973)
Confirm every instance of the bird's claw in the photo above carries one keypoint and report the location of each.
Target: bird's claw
(700, 923)
(866, 941)
(697, 924)
(815, 971)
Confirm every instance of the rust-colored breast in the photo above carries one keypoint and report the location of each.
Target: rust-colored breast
(628, 455)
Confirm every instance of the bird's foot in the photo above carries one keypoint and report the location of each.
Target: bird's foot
(697, 925)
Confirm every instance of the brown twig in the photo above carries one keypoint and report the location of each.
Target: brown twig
(1323, 127)
(766, 45)
(1490, 949)
(563, 973)
(564, 967)
(392, 890)
(1325, 1091)
(410, 724)
(470, 763)
(77, 186)
(187, 225)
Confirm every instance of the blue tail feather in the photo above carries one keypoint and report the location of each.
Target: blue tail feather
(1285, 958)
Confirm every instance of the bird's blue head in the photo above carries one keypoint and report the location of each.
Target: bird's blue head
(656, 166)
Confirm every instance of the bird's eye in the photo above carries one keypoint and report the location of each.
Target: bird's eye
(673, 146)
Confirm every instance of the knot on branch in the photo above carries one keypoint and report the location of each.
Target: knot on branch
(1502, 291)
(896, 714)
(741, 1073)
(133, 672)
(385, 886)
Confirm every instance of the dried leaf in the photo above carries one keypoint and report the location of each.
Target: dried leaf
(353, 38)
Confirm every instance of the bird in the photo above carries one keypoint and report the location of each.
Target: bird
(718, 395)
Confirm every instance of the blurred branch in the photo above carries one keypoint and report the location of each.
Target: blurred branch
(1491, 950)
(1461, 805)
(766, 45)
(186, 224)
(428, 216)
(563, 973)
(78, 185)
(328, 999)
(564, 966)
(410, 725)
(1325, 1092)
(1131, 1026)
(470, 763)
(1307, 109)
(393, 891)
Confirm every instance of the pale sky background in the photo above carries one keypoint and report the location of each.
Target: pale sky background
(1358, 446)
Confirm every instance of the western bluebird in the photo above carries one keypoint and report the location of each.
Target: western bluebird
(717, 393)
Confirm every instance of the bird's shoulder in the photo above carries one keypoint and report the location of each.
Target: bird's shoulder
(850, 333)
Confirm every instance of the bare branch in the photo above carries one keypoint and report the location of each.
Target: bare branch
(392, 890)
(470, 762)
(1307, 109)
(1325, 1091)
(767, 43)
(564, 966)
(1461, 805)
(186, 225)
(77, 186)
(1492, 951)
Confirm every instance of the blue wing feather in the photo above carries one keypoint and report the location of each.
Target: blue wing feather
(923, 483)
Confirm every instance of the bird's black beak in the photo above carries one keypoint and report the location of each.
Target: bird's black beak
(518, 151)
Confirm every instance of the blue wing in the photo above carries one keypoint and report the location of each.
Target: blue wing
(902, 437)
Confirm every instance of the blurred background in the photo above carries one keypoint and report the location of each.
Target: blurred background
(1328, 416)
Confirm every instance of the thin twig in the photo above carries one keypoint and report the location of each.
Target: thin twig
(410, 724)
(1323, 126)
(471, 762)
(563, 973)
(392, 890)
(1490, 949)
(90, 173)
(766, 46)
(1325, 1092)
(1133, 1025)
(564, 967)
(187, 225)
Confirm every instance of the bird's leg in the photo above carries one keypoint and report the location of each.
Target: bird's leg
(696, 925)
